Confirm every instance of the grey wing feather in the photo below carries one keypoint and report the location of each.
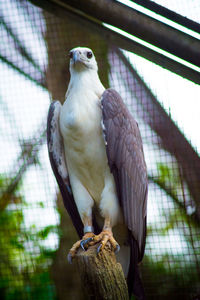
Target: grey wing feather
(58, 164)
(126, 161)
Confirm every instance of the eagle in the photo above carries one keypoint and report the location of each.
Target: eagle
(96, 153)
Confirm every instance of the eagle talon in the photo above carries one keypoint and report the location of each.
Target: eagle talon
(69, 258)
(85, 242)
(99, 248)
(117, 248)
(87, 238)
(106, 238)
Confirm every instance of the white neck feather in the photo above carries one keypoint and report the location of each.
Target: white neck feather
(85, 80)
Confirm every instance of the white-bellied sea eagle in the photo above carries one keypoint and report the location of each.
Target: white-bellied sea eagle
(96, 153)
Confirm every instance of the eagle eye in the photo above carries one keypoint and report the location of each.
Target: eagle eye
(89, 54)
(71, 54)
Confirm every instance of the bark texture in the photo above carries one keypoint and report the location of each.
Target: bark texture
(101, 275)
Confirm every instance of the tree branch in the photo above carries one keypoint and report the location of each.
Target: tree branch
(40, 82)
(102, 276)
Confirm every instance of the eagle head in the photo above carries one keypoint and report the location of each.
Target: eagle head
(81, 59)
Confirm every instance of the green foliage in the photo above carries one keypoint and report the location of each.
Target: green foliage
(175, 279)
(169, 176)
(23, 274)
(45, 232)
(176, 273)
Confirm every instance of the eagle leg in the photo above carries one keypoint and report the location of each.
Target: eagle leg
(84, 243)
(106, 238)
(87, 238)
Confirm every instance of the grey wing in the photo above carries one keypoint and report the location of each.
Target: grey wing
(126, 161)
(58, 164)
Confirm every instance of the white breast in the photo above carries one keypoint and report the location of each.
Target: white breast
(85, 152)
(80, 124)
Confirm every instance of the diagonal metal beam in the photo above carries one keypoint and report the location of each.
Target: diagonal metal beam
(141, 26)
(171, 138)
(169, 14)
(63, 10)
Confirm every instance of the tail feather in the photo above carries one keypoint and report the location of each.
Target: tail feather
(134, 281)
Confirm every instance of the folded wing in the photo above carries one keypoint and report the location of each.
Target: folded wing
(126, 161)
(58, 164)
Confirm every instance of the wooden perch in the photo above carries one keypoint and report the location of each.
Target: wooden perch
(101, 275)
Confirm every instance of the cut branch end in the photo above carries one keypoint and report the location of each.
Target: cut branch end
(101, 275)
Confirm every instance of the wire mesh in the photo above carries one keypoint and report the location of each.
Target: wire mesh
(36, 232)
(185, 8)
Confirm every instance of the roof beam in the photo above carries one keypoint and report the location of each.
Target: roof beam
(169, 14)
(62, 10)
(142, 26)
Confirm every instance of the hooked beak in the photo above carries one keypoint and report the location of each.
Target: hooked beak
(76, 57)
(77, 60)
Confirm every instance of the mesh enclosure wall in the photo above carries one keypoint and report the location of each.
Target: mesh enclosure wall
(36, 232)
(185, 8)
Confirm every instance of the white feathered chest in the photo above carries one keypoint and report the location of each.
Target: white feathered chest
(80, 123)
